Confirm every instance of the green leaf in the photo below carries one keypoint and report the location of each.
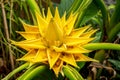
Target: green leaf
(80, 64)
(74, 6)
(100, 55)
(27, 72)
(32, 74)
(91, 11)
(81, 11)
(116, 63)
(113, 32)
(105, 17)
(68, 73)
(101, 5)
(116, 16)
(71, 73)
(64, 6)
(46, 75)
(33, 6)
(37, 72)
(16, 71)
(97, 37)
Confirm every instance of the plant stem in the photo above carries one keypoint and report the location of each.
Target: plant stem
(97, 46)
(10, 22)
(7, 34)
(15, 71)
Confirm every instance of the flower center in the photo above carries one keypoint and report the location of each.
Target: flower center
(54, 34)
(49, 44)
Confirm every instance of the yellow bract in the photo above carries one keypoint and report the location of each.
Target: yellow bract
(54, 41)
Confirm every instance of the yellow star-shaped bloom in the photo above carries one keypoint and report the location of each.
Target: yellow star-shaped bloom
(54, 41)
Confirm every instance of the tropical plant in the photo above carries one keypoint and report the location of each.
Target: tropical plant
(58, 38)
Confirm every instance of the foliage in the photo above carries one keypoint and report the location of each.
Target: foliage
(96, 13)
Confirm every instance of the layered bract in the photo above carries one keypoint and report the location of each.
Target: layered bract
(54, 41)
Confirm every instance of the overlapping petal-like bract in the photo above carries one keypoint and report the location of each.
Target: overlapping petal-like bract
(54, 41)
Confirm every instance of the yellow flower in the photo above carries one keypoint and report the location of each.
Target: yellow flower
(54, 41)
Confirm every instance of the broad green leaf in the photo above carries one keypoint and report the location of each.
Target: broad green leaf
(82, 11)
(115, 17)
(74, 6)
(91, 11)
(64, 6)
(105, 18)
(37, 73)
(46, 75)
